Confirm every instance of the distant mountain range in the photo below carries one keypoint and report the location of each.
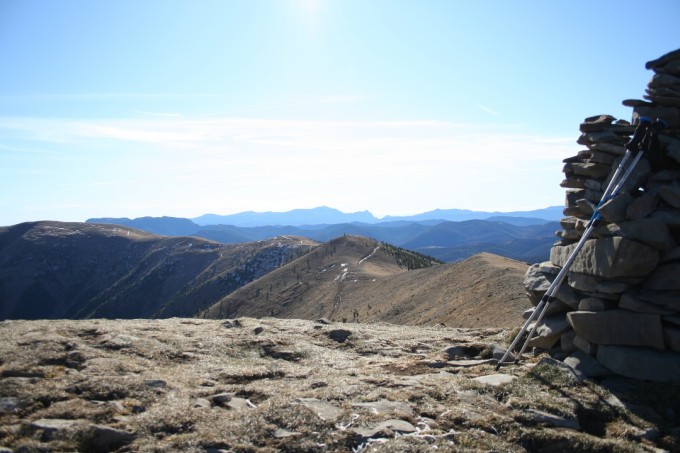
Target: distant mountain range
(56, 270)
(325, 215)
(525, 238)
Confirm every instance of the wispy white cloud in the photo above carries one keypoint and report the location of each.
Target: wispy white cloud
(104, 96)
(227, 164)
(408, 140)
(23, 149)
(488, 109)
(303, 102)
(161, 114)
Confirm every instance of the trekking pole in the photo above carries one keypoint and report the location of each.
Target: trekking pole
(644, 140)
(642, 134)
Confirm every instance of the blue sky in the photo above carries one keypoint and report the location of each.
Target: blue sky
(179, 108)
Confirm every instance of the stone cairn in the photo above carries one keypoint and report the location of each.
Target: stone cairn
(618, 311)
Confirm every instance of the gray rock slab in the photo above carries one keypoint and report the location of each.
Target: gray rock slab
(630, 301)
(283, 354)
(610, 148)
(609, 258)
(591, 170)
(464, 351)
(470, 363)
(118, 342)
(281, 433)
(671, 195)
(585, 346)
(652, 232)
(542, 417)
(618, 327)
(106, 438)
(9, 404)
(544, 342)
(232, 323)
(614, 209)
(495, 379)
(322, 409)
(670, 255)
(392, 425)
(637, 177)
(339, 335)
(642, 206)
(601, 158)
(155, 383)
(408, 381)
(567, 341)
(670, 218)
(569, 235)
(672, 319)
(237, 403)
(497, 352)
(586, 365)
(590, 284)
(666, 277)
(567, 295)
(641, 363)
(671, 335)
(202, 403)
(383, 406)
(668, 299)
(55, 427)
(596, 123)
(595, 304)
(221, 399)
(553, 325)
(537, 281)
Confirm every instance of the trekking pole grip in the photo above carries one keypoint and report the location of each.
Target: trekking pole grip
(640, 131)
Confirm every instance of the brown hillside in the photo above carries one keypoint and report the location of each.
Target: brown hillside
(361, 280)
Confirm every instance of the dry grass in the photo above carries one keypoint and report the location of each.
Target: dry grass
(358, 279)
(286, 385)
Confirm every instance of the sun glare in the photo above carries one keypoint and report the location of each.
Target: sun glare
(308, 13)
(308, 5)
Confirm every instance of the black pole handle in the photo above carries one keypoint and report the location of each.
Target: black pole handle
(640, 131)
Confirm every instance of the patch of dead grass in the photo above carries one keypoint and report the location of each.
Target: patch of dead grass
(150, 385)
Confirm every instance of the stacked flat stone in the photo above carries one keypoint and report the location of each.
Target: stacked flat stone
(620, 304)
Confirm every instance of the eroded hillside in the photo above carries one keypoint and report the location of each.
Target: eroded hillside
(79, 270)
(356, 279)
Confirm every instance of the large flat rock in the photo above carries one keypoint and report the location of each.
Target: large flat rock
(618, 327)
(666, 277)
(641, 363)
(610, 257)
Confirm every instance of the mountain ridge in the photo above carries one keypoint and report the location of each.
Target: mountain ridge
(56, 270)
(356, 279)
(327, 215)
(519, 238)
(80, 270)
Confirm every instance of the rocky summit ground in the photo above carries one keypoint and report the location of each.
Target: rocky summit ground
(249, 385)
